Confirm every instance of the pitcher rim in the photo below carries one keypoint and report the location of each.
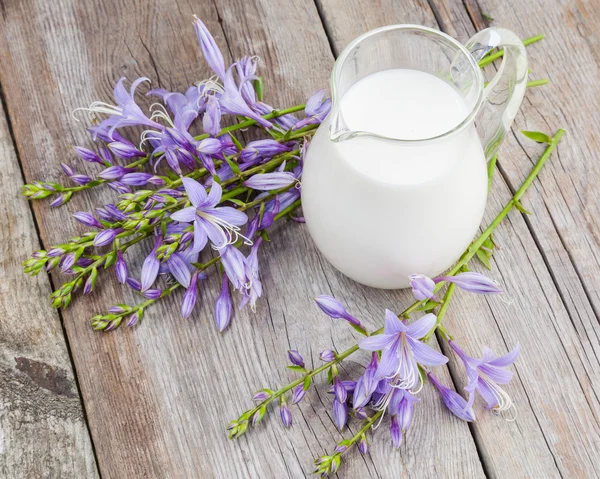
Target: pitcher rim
(343, 56)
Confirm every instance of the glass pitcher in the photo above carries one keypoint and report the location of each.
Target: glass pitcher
(381, 206)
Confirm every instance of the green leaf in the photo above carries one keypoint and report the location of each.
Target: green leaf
(537, 136)
(521, 208)
(360, 329)
(428, 306)
(259, 88)
(233, 165)
(484, 258)
(298, 369)
(307, 381)
(236, 142)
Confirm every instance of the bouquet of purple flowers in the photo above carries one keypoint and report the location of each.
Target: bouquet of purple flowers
(216, 191)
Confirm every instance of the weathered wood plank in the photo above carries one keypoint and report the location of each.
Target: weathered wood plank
(159, 397)
(556, 382)
(43, 432)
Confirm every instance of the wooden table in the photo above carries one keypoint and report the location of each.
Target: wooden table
(154, 401)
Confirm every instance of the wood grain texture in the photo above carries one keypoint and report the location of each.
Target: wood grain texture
(557, 430)
(159, 397)
(43, 432)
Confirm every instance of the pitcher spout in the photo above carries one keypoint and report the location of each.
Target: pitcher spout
(338, 130)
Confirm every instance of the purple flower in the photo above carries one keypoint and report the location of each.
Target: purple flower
(252, 287)
(115, 172)
(286, 122)
(261, 396)
(134, 283)
(317, 108)
(185, 108)
(210, 50)
(87, 155)
(485, 374)
(153, 293)
(121, 269)
(285, 414)
(402, 350)
(137, 179)
(60, 200)
(133, 319)
(190, 296)
(232, 102)
(223, 306)
(422, 287)
(295, 358)
(211, 121)
(453, 401)
(401, 405)
(473, 283)
(298, 394)
(336, 310)
(340, 413)
(270, 181)
(105, 237)
(125, 113)
(219, 224)
(263, 149)
(125, 150)
(327, 355)
(81, 179)
(67, 262)
(87, 219)
(366, 384)
(246, 70)
(233, 264)
(151, 267)
(363, 446)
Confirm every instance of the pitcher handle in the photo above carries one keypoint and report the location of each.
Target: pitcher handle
(502, 97)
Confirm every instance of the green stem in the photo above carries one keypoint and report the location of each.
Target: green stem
(494, 56)
(490, 171)
(534, 83)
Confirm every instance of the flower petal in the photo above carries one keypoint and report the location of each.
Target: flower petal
(200, 238)
(425, 355)
(230, 215)
(149, 271)
(389, 362)
(499, 375)
(507, 359)
(195, 191)
(186, 215)
(422, 326)
(392, 323)
(487, 394)
(377, 342)
(216, 234)
(214, 195)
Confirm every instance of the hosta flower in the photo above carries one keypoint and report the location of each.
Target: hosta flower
(219, 224)
(210, 50)
(223, 306)
(340, 408)
(402, 350)
(335, 309)
(486, 374)
(422, 287)
(400, 407)
(185, 108)
(457, 404)
(366, 384)
(317, 108)
(473, 283)
(233, 263)
(211, 121)
(126, 112)
(253, 287)
(263, 149)
(246, 70)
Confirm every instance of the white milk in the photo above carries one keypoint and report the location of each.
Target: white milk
(381, 210)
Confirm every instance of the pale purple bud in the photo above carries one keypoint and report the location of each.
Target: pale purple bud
(136, 179)
(133, 320)
(453, 401)
(209, 146)
(56, 252)
(223, 306)
(340, 413)
(189, 298)
(112, 325)
(67, 262)
(363, 447)
(328, 355)
(115, 172)
(360, 413)
(114, 212)
(134, 284)
(156, 181)
(233, 262)
(69, 171)
(119, 187)
(263, 148)
(270, 181)
(60, 200)
(422, 287)
(121, 269)
(298, 394)
(295, 358)
(116, 310)
(88, 286)
(81, 179)
(335, 309)
(150, 267)
(341, 448)
(473, 283)
(106, 155)
(105, 237)
(126, 151)
(211, 121)
(153, 293)
(286, 415)
(84, 262)
(87, 219)
(87, 155)
(396, 432)
(261, 396)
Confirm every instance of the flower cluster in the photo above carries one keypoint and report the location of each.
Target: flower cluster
(183, 193)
